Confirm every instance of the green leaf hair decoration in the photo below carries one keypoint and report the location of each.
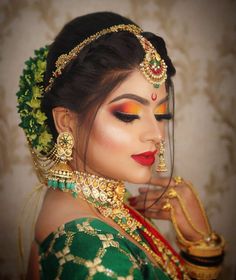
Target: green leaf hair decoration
(30, 94)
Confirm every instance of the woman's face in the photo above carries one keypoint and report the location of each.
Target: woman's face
(126, 131)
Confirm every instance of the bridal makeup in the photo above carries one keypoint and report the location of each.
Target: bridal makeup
(128, 125)
(130, 110)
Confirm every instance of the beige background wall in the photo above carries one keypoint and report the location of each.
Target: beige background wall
(200, 36)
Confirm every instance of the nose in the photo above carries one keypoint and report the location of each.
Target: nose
(153, 131)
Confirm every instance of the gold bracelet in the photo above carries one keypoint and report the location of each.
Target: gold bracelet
(173, 194)
(213, 246)
(210, 245)
(202, 272)
(178, 180)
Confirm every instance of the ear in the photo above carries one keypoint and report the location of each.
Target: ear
(64, 119)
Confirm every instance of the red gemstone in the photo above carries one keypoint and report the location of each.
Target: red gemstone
(156, 71)
(154, 96)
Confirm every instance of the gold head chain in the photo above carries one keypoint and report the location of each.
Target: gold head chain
(152, 66)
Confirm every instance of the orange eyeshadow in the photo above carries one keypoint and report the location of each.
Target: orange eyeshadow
(127, 108)
(161, 109)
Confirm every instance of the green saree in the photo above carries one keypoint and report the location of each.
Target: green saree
(88, 248)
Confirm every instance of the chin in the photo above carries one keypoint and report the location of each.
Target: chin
(140, 176)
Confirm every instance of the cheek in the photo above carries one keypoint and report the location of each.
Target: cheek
(110, 136)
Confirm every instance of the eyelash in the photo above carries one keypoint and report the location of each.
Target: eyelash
(160, 117)
(130, 118)
(125, 117)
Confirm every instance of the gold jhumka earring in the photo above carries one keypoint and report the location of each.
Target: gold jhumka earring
(161, 167)
(61, 175)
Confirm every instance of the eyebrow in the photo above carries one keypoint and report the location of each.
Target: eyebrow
(163, 100)
(133, 97)
(138, 98)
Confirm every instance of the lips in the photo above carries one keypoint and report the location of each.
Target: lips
(146, 159)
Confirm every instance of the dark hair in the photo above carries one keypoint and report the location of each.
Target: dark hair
(100, 67)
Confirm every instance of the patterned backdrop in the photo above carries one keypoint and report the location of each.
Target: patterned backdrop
(200, 36)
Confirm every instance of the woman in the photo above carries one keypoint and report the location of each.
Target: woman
(99, 120)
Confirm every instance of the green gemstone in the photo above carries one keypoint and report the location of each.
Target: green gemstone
(69, 185)
(61, 185)
(74, 194)
(50, 183)
(54, 184)
(156, 85)
(123, 220)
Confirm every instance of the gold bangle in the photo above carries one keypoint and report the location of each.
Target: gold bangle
(212, 247)
(202, 272)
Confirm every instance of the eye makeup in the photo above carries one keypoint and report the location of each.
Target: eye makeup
(127, 111)
(162, 112)
(128, 107)
(161, 109)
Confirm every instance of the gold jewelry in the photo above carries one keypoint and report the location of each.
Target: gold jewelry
(178, 180)
(202, 272)
(174, 194)
(153, 67)
(161, 167)
(60, 174)
(210, 245)
(107, 196)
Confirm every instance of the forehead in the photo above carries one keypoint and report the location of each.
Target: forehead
(137, 84)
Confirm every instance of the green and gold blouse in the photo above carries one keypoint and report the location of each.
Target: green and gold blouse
(88, 248)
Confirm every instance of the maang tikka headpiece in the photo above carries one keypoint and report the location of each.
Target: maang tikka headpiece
(152, 66)
(31, 92)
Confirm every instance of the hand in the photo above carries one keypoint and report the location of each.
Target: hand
(150, 203)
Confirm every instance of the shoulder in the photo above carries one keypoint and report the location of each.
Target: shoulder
(58, 208)
(87, 246)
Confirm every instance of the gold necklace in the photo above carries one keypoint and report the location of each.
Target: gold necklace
(107, 196)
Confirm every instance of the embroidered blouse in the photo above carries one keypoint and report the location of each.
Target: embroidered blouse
(88, 248)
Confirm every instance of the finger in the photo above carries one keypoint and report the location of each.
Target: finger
(143, 189)
(161, 215)
(150, 195)
(162, 182)
(152, 205)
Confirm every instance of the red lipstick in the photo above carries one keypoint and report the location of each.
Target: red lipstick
(146, 158)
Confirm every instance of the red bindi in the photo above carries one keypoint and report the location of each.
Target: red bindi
(154, 96)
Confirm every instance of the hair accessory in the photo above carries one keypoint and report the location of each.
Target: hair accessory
(153, 67)
(161, 167)
(30, 94)
(61, 175)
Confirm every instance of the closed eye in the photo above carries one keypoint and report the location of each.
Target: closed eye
(125, 117)
(160, 117)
